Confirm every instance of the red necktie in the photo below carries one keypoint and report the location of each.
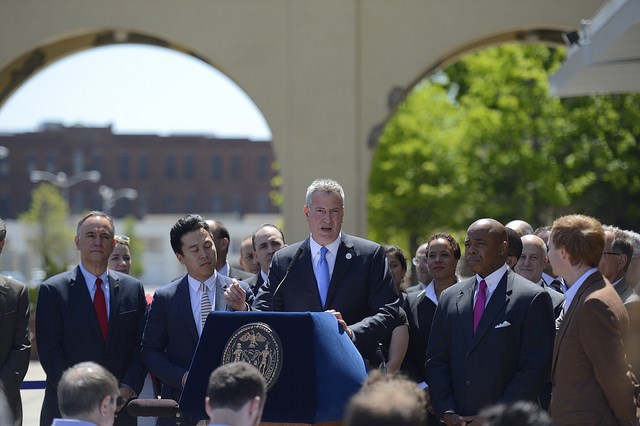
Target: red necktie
(481, 299)
(100, 305)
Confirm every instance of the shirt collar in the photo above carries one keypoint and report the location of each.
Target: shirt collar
(225, 269)
(90, 279)
(333, 247)
(430, 292)
(573, 290)
(493, 279)
(209, 282)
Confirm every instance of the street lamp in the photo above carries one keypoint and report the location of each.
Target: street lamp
(110, 195)
(61, 179)
(4, 152)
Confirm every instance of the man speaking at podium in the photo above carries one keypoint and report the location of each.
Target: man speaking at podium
(334, 272)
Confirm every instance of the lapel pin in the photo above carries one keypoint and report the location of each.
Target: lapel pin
(348, 256)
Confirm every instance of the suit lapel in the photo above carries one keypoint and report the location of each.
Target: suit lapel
(220, 287)
(566, 319)
(464, 304)
(184, 306)
(497, 302)
(4, 293)
(114, 302)
(345, 256)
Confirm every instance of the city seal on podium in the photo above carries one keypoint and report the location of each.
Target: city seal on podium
(259, 345)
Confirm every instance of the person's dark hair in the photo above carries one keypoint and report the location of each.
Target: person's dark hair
(387, 399)
(541, 230)
(219, 230)
(96, 213)
(398, 253)
(265, 225)
(82, 388)
(3, 230)
(622, 244)
(232, 385)
(582, 237)
(184, 225)
(454, 244)
(520, 413)
(514, 243)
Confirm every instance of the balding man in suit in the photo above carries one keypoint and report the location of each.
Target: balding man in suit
(492, 335)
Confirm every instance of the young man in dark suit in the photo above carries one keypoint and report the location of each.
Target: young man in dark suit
(15, 346)
(492, 335)
(179, 309)
(91, 313)
(335, 272)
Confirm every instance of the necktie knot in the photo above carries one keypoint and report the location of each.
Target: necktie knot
(323, 252)
(98, 282)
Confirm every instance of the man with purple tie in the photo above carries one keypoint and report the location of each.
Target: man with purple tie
(492, 334)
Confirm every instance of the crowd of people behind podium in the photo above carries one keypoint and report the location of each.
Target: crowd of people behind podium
(512, 326)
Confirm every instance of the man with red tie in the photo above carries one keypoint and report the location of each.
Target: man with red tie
(91, 313)
(492, 334)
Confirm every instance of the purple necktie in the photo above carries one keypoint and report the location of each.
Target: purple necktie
(478, 309)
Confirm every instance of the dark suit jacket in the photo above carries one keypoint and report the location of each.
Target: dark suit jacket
(590, 385)
(15, 346)
(361, 288)
(238, 274)
(557, 299)
(632, 303)
(170, 336)
(68, 333)
(255, 282)
(507, 359)
(420, 310)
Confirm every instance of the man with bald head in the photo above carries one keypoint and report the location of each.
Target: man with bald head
(531, 264)
(520, 226)
(492, 334)
(422, 272)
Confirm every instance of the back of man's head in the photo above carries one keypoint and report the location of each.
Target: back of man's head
(236, 394)
(387, 401)
(88, 391)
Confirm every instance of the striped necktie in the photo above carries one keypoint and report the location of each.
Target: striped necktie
(205, 304)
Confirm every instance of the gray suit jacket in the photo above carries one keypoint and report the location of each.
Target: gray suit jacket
(15, 346)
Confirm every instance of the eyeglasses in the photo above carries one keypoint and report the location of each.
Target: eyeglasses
(122, 239)
(612, 253)
(419, 260)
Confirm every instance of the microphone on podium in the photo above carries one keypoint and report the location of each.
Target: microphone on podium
(275, 292)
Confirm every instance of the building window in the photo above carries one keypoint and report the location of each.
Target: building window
(190, 204)
(235, 167)
(124, 167)
(96, 162)
(170, 205)
(170, 162)
(262, 203)
(216, 204)
(216, 167)
(236, 204)
(50, 165)
(189, 168)
(32, 162)
(143, 167)
(262, 166)
(78, 161)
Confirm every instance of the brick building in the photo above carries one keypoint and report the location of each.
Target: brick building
(173, 175)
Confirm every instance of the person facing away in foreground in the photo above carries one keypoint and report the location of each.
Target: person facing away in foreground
(236, 395)
(87, 395)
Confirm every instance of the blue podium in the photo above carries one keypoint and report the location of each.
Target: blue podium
(312, 374)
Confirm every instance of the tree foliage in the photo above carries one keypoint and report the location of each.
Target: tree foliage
(51, 238)
(485, 139)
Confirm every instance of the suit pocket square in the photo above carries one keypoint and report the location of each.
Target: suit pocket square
(503, 324)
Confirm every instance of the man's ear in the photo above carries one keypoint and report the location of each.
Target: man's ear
(103, 408)
(207, 407)
(306, 210)
(180, 258)
(224, 244)
(255, 407)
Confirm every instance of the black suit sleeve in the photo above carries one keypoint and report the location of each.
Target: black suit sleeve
(136, 372)
(49, 328)
(16, 364)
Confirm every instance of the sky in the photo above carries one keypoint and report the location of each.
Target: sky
(136, 89)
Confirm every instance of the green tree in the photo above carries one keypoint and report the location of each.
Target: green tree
(485, 139)
(50, 238)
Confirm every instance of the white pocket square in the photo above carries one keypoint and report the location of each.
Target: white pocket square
(503, 324)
